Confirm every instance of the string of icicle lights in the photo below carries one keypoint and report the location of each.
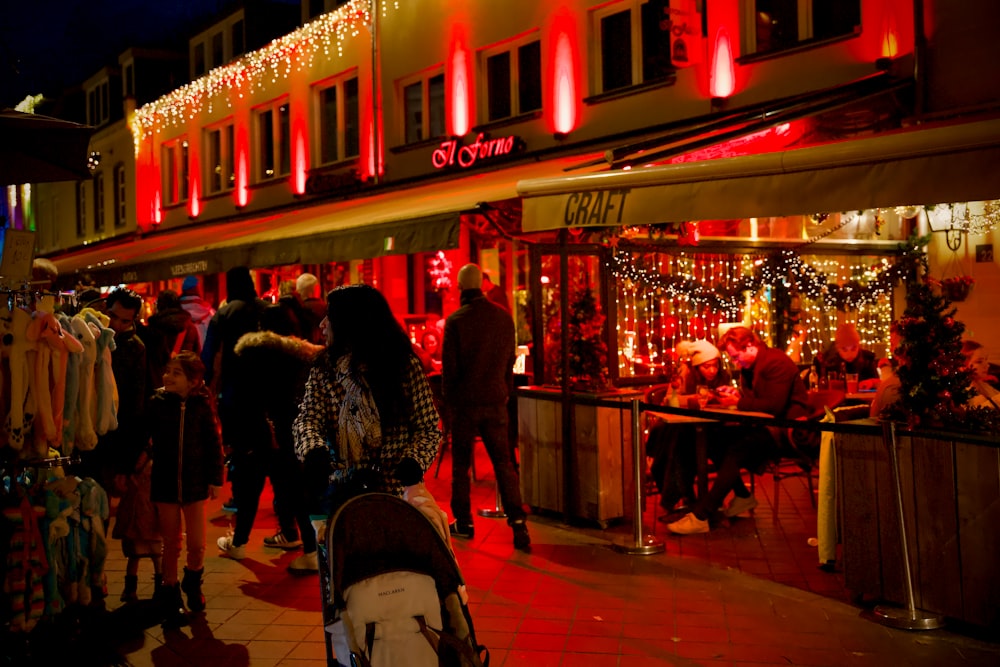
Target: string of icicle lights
(785, 268)
(259, 69)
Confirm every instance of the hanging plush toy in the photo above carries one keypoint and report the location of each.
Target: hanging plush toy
(71, 397)
(50, 378)
(86, 438)
(22, 354)
(106, 406)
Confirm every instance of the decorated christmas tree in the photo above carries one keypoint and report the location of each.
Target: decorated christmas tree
(935, 385)
(588, 353)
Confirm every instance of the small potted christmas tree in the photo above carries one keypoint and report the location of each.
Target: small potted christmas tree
(935, 383)
(588, 353)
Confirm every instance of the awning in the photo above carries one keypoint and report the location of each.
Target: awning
(923, 166)
(398, 221)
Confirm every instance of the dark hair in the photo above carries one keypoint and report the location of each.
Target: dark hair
(167, 300)
(239, 285)
(279, 319)
(191, 365)
(126, 297)
(363, 325)
(739, 338)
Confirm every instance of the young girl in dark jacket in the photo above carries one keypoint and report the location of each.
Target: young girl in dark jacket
(188, 470)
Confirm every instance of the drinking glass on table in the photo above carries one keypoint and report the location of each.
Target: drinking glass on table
(704, 395)
(851, 380)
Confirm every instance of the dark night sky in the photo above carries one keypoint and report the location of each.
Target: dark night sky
(47, 45)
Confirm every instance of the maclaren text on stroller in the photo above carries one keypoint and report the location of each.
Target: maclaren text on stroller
(391, 590)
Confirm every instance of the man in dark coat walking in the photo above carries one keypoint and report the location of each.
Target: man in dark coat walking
(478, 378)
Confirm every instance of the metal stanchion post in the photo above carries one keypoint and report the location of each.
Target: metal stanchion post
(495, 512)
(910, 618)
(640, 544)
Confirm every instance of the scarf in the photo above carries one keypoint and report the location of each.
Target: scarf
(359, 430)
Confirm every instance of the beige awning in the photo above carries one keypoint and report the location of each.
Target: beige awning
(913, 167)
(398, 221)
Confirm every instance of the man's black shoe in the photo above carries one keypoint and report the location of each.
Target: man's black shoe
(522, 542)
(461, 530)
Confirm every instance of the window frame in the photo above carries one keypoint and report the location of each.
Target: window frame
(227, 157)
(806, 30)
(636, 48)
(175, 181)
(99, 201)
(81, 208)
(121, 195)
(513, 49)
(99, 103)
(280, 145)
(339, 83)
(424, 79)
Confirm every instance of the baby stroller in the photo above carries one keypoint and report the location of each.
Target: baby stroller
(391, 590)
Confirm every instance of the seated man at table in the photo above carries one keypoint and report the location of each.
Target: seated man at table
(769, 383)
(846, 356)
(671, 446)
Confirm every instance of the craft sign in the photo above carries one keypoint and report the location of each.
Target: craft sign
(596, 208)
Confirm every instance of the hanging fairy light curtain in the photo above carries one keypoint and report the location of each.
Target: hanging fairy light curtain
(664, 298)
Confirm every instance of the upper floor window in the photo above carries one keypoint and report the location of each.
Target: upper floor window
(128, 81)
(513, 79)
(273, 140)
(776, 25)
(239, 42)
(198, 61)
(99, 202)
(423, 107)
(339, 121)
(220, 151)
(99, 104)
(634, 44)
(175, 172)
(218, 50)
(121, 196)
(81, 208)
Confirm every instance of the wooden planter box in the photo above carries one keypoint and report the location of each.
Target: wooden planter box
(596, 485)
(951, 506)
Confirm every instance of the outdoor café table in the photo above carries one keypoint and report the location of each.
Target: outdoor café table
(700, 418)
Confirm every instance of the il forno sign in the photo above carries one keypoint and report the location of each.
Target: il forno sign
(451, 153)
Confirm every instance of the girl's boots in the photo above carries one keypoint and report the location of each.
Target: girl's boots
(191, 585)
(130, 593)
(172, 606)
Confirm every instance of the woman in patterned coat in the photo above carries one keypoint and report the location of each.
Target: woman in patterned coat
(367, 421)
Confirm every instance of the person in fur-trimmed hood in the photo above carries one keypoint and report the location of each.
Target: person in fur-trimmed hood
(279, 365)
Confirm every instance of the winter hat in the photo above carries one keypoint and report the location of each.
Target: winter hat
(190, 283)
(699, 351)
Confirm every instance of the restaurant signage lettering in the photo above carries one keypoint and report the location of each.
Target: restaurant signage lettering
(453, 154)
(189, 268)
(333, 182)
(596, 208)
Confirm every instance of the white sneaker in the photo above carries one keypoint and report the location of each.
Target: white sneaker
(689, 525)
(737, 505)
(227, 547)
(305, 564)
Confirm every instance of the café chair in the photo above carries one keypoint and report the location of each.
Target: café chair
(799, 448)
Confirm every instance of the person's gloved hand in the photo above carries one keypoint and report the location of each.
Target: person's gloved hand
(418, 496)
